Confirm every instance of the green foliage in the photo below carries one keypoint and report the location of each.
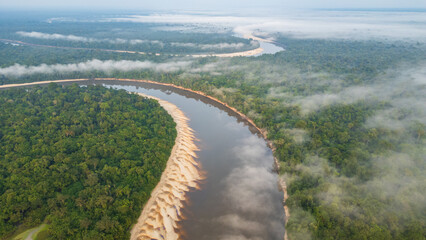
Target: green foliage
(84, 159)
(358, 61)
(328, 171)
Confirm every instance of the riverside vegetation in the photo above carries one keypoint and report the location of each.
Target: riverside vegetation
(82, 159)
(345, 118)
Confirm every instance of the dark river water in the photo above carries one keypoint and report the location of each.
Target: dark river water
(240, 197)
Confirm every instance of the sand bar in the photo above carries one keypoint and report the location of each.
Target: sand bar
(162, 211)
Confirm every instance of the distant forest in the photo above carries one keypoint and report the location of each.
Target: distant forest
(346, 118)
(142, 37)
(84, 160)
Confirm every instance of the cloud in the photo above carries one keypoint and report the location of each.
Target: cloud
(73, 38)
(299, 135)
(398, 184)
(308, 24)
(241, 193)
(108, 66)
(184, 19)
(238, 237)
(210, 46)
(400, 181)
(252, 192)
(402, 87)
(194, 29)
(56, 36)
(240, 224)
(218, 67)
(346, 96)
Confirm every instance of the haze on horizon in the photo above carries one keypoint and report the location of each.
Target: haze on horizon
(214, 5)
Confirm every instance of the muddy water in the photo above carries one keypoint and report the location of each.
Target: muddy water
(240, 197)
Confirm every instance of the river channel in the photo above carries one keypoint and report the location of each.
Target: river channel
(240, 197)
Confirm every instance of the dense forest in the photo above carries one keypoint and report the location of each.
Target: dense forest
(346, 118)
(81, 159)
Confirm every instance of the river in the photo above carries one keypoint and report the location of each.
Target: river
(240, 197)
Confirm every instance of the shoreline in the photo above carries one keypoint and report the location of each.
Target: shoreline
(282, 184)
(160, 214)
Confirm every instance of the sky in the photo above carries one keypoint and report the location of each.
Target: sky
(209, 4)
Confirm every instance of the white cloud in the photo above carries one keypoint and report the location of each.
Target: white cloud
(56, 36)
(346, 96)
(240, 224)
(210, 46)
(314, 24)
(252, 193)
(108, 66)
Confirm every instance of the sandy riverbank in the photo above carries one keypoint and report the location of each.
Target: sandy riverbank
(163, 209)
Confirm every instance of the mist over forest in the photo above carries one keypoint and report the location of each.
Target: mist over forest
(343, 103)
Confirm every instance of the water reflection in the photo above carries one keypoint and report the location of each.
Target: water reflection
(240, 198)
